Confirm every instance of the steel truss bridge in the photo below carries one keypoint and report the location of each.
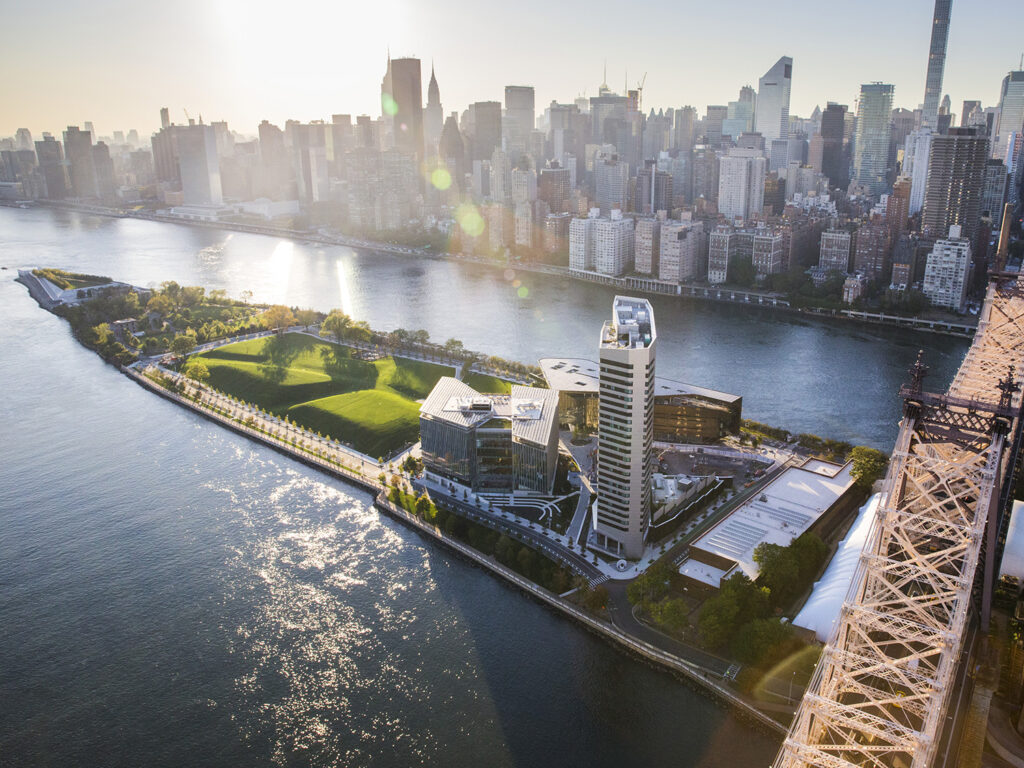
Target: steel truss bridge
(879, 694)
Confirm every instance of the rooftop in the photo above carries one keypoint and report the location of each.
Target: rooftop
(631, 326)
(784, 509)
(530, 411)
(576, 374)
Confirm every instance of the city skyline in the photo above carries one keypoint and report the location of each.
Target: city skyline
(244, 64)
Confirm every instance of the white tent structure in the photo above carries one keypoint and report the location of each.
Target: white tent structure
(821, 610)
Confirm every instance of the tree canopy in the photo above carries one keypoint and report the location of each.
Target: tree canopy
(277, 317)
(869, 464)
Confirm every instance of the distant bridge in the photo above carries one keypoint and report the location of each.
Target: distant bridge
(880, 691)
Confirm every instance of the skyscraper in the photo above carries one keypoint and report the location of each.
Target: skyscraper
(519, 119)
(936, 64)
(611, 182)
(200, 166)
(741, 183)
(486, 123)
(772, 114)
(993, 195)
(51, 163)
(946, 271)
(433, 116)
(625, 429)
(78, 150)
(956, 180)
(402, 105)
(834, 163)
(874, 129)
(1011, 112)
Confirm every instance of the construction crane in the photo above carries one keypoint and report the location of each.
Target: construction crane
(640, 92)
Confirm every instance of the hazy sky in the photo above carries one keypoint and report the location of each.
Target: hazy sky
(116, 63)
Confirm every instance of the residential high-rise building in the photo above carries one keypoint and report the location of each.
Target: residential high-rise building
(519, 119)
(897, 208)
(581, 242)
(613, 244)
(680, 251)
(647, 246)
(713, 122)
(872, 250)
(993, 194)
(402, 105)
(199, 164)
(23, 139)
(741, 184)
(626, 429)
(970, 112)
(834, 162)
(719, 249)
(917, 150)
(685, 119)
(1011, 112)
(555, 187)
(611, 182)
(773, 89)
(871, 148)
(835, 251)
(79, 154)
(106, 185)
(936, 64)
(956, 180)
(946, 271)
(433, 116)
(50, 154)
(524, 185)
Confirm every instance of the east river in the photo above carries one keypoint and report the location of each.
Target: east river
(173, 594)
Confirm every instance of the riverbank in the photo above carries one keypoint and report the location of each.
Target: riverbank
(636, 284)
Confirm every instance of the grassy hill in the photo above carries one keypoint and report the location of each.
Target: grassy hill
(370, 405)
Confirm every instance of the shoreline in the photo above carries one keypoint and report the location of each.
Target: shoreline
(647, 286)
(682, 670)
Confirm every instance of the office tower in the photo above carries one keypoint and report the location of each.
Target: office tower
(947, 270)
(165, 117)
(872, 249)
(816, 152)
(993, 194)
(741, 184)
(713, 122)
(956, 179)
(653, 190)
(401, 97)
(936, 64)
(685, 118)
(555, 187)
(970, 112)
(50, 154)
(611, 182)
(917, 150)
(200, 166)
(433, 116)
(835, 251)
(871, 150)
(133, 137)
(902, 126)
(486, 128)
(452, 150)
(679, 250)
(772, 114)
(23, 139)
(78, 151)
(1011, 112)
(626, 429)
(704, 176)
(740, 114)
(647, 246)
(501, 177)
(519, 118)
(119, 137)
(1014, 165)
(106, 187)
(608, 119)
(833, 159)
(274, 162)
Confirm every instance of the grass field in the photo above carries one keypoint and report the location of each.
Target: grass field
(490, 385)
(371, 406)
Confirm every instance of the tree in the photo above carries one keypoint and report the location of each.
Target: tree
(159, 305)
(197, 371)
(192, 295)
(454, 347)
(336, 324)
(423, 505)
(277, 317)
(756, 641)
(102, 335)
(596, 599)
(869, 464)
(780, 571)
(306, 317)
(183, 343)
(246, 296)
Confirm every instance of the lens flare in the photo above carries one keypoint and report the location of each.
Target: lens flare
(510, 274)
(441, 179)
(523, 292)
(388, 104)
(470, 220)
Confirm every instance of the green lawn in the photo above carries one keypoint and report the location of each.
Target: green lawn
(318, 384)
(490, 385)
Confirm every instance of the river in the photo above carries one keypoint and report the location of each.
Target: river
(174, 594)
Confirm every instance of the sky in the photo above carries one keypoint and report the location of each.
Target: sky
(115, 63)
